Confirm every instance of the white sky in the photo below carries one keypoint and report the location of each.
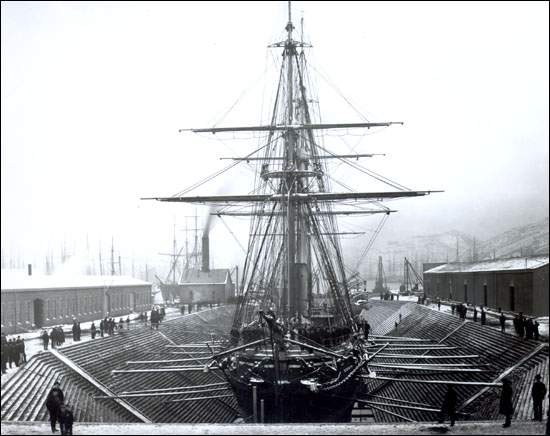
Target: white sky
(93, 95)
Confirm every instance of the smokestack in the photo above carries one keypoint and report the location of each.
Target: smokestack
(205, 253)
(29, 269)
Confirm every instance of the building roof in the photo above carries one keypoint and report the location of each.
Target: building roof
(17, 281)
(196, 276)
(513, 264)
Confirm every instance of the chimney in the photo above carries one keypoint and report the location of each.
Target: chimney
(205, 253)
(29, 269)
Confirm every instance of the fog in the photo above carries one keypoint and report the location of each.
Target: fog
(93, 95)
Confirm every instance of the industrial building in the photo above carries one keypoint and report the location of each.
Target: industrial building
(201, 286)
(515, 285)
(34, 301)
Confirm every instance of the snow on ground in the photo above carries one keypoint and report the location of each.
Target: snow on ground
(460, 428)
(34, 344)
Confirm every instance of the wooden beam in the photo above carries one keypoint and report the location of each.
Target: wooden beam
(434, 382)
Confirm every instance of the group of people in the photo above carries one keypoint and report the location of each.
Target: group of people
(157, 315)
(506, 405)
(59, 411)
(13, 351)
(108, 325)
(56, 337)
(525, 327)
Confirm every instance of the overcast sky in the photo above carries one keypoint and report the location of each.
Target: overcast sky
(93, 95)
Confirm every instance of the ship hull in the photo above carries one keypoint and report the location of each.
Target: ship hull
(290, 400)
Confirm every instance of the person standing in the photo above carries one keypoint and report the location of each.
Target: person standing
(93, 330)
(502, 320)
(53, 403)
(475, 314)
(128, 322)
(537, 393)
(4, 350)
(101, 327)
(438, 304)
(75, 331)
(66, 419)
(506, 407)
(45, 339)
(483, 316)
(21, 357)
(449, 406)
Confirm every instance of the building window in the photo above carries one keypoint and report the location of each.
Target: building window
(512, 298)
(485, 294)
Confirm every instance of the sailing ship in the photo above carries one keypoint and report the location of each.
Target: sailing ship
(295, 347)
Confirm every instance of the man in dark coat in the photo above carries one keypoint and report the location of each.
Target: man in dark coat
(4, 353)
(449, 406)
(66, 419)
(75, 331)
(93, 330)
(53, 403)
(538, 392)
(101, 327)
(506, 407)
(45, 339)
(529, 329)
(475, 314)
(483, 316)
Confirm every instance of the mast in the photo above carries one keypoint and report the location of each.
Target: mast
(289, 165)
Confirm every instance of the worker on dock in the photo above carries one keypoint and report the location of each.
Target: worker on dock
(537, 393)
(483, 316)
(53, 403)
(449, 405)
(93, 330)
(45, 339)
(506, 406)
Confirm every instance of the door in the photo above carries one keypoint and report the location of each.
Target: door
(38, 312)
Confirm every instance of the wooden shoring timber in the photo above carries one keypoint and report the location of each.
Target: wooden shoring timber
(194, 359)
(502, 375)
(421, 356)
(397, 400)
(401, 406)
(160, 394)
(392, 413)
(203, 345)
(408, 341)
(213, 397)
(393, 348)
(176, 388)
(400, 337)
(169, 369)
(428, 368)
(429, 365)
(434, 382)
(375, 353)
(311, 347)
(241, 347)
